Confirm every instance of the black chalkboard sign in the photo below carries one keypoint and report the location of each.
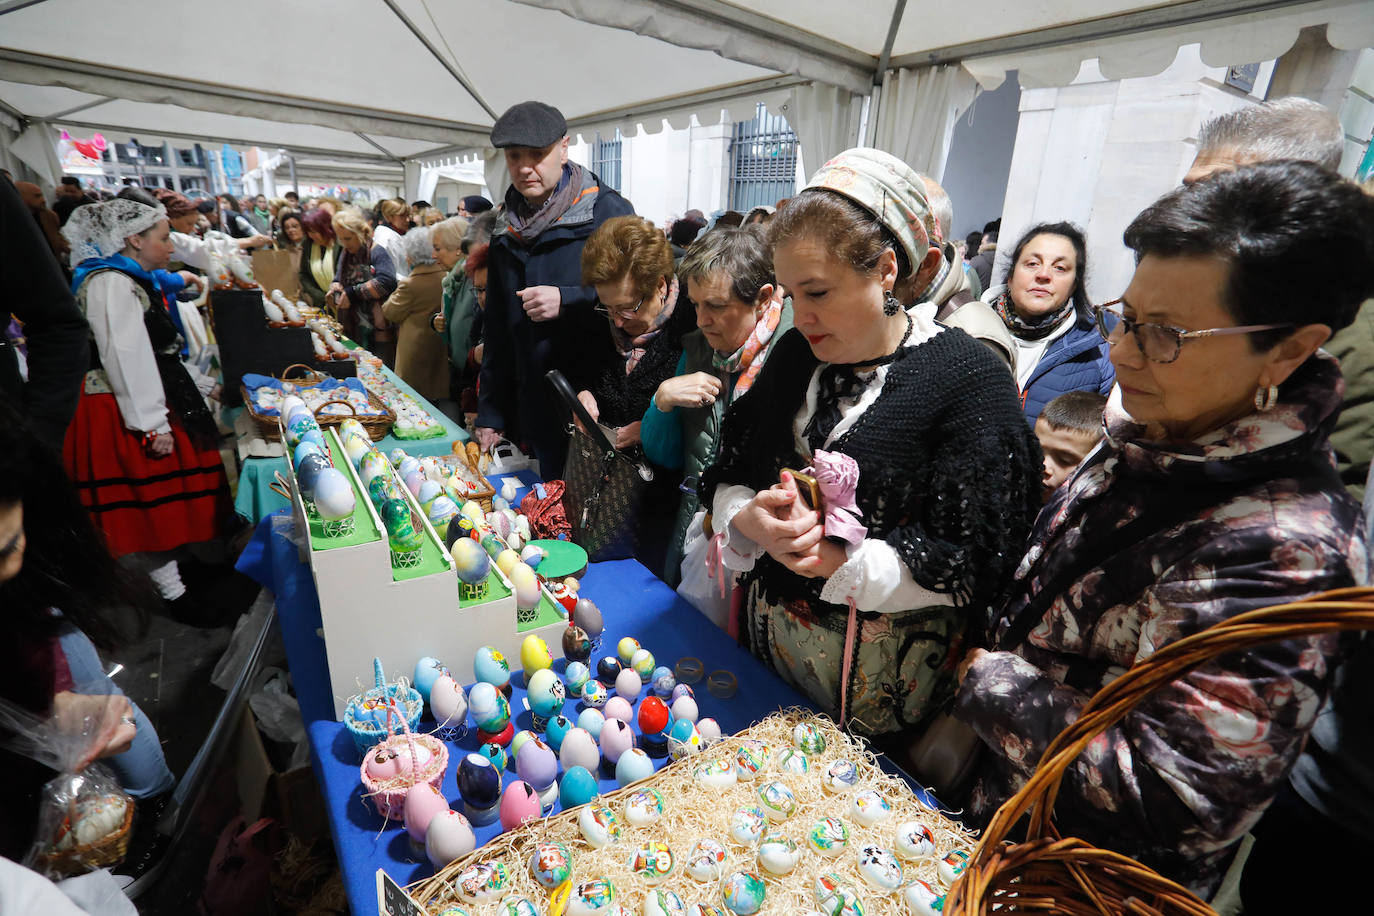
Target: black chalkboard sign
(392, 900)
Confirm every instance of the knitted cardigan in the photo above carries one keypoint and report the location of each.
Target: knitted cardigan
(948, 471)
(622, 398)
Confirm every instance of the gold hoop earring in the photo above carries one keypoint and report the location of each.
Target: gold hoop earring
(1266, 398)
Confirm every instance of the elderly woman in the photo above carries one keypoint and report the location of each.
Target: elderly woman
(1216, 452)
(420, 358)
(729, 278)
(320, 254)
(363, 279)
(393, 222)
(926, 474)
(1044, 303)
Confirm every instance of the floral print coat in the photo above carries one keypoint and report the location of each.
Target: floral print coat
(1178, 781)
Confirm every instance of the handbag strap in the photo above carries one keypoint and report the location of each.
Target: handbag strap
(590, 426)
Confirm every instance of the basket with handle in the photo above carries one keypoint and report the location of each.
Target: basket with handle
(377, 426)
(389, 795)
(366, 732)
(1049, 873)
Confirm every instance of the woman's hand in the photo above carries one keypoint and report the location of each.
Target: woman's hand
(820, 562)
(160, 446)
(216, 392)
(108, 721)
(627, 436)
(696, 389)
(438, 322)
(191, 279)
(777, 521)
(337, 296)
(487, 437)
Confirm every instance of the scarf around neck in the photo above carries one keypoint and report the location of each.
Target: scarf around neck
(746, 359)
(632, 348)
(525, 224)
(1028, 330)
(119, 262)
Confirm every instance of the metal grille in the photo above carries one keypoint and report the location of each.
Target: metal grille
(763, 161)
(606, 160)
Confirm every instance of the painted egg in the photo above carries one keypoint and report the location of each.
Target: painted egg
(526, 585)
(427, 671)
(400, 526)
(840, 777)
(516, 906)
(619, 708)
(652, 862)
(653, 716)
(315, 437)
(579, 748)
(710, 731)
(447, 702)
(519, 803)
(507, 560)
(807, 737)
(828, 837)
(448, 837)
(355, 447)
(660, 902)
(298, 427)
(778, 855)
(381, 712)
(626, 649)
(423, 803)
(588, 616)
(599, 825)
(662, 682)
(575, 674)
(491, 666)
(396, 456)
(473, 566)
(685, 708)
(747, 825)
(290, 404)
(351, 425)
(482, 882)
(705, 909)
(500, 523)
(791, 760)
(594, 694)
(836, 897)
(684, 739)
(556, 731)
(915, 841)
(743, 893)
(495, 753)
(644, 807)
(333, 494)
(308, 474)
(453, 911)
(546, 693)
(592, 721)
(532, 556)
(441, 510)
(577, 787)
(413, 482)
(537, 764)
(869, 808)
(633, 766)
(616, 739)
(430, 491)
(382, 488)
(373, 465)
(592, 898)
(683, 690)
(472, 510)
(550, 865)
(518, 742)
(627, 684)
(303, 451)
(489, 708)
(608, 669)
(922, 899)
(751, 759)
(879, 868)
(577, 645)
(643, 664)
(479, 783)
(715, 774)
(952, 866)
(408, 465)
(777, 801)
(706, 861)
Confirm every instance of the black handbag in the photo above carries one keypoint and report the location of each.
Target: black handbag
(604, 487)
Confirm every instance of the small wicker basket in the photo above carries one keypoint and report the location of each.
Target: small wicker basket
(367, 733)
(389, 796)
(85, 857)
(1048, 873)
(377, 426)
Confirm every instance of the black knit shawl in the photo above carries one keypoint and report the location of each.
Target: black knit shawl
(622, 398)
(949, 472)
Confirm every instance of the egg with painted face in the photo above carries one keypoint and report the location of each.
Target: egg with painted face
(598, 825)
(592, 898)
(490, 664)
(489, 708)
(706, 861)
(333, 495)
(546, 693)
(915, 841)
(644, 807)
(595, 695)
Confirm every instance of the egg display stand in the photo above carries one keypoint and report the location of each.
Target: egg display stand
(389, 796)
(468, 591)
(247, 344)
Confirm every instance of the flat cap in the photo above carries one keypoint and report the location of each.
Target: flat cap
(532, 124)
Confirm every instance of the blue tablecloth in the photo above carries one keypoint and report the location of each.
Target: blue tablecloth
(633, 602)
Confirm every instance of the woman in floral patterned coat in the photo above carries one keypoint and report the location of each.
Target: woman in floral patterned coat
(1224, 403)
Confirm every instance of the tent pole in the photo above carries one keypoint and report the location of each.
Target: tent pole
(453, 71)
(291, 163)
(876, 96)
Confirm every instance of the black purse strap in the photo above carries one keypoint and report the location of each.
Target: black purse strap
(575, 408)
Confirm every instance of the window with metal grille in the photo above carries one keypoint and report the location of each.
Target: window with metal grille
(606, 159)
(763, 161)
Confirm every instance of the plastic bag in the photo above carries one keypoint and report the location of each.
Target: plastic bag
(698, 588)
(84, 816)
(279, 713)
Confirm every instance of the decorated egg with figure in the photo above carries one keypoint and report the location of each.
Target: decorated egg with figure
(835, 896)
(777, 801)
(577, 787)
(662, 682)
(743, 893)
(715, 774)
(427, 671)
(577, 645)
(643, 664)
(828, 837)
(952, 866)
(473, 566)
(447, 701)
(489, 708)
(448, 837)
(869, 808)
(683, 739)
(879, 868)
(333, 495)
(546, 693)
(616, 739)
(383, 764)
(576, 675)
(633, 766)
(479, 782)
(652, 863)
(519, 803)
(537, 764)
(778, 855)
(662, 902)
(751, 758)
(579, 749)
(495, 753)
(309, 472)
(592, 898)
(526, 587)
(747, 825)
(598, 825)
(490, 665)
(483, 882)
(644, 807)
(595, 695)
(922, 899)
(592, 720)
(791, 760)
(807, 737)
(587, 615)
(840, 777)
(706, 861)
(374, 464)
(915, 841)
(550, 865)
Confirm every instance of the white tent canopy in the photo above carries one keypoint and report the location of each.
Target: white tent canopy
(380, 82)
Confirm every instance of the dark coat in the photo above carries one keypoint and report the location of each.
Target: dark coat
(1077, 361)
(622, 398)
(513, 395)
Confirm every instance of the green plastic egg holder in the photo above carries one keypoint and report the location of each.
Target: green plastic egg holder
(470, 592)
(337, 527)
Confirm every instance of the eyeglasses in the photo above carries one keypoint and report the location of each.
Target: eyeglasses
(618, 313)
(1160, 343)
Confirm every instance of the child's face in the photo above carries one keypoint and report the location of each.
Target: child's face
(1064, 449)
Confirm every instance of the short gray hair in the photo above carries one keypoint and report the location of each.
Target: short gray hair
(479, 229)
(449, 232)
(1287, 128)
(941, 207)
(741, 254)
(419, 247)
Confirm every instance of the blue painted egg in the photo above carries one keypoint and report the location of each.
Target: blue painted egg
(578, 787)
(473, 566)
(663, 682)
(396, 456)
(633, 766)
(490, 665)
(592, 720)
(743, 893)
(298, 427)
(304, 450)
(546, 693)
(407, 465)
(495, 753)
(576, 675)
(309, 472)
(556, 731)
(427, 671)
(479, 783)
(431, 490)
(333, 494)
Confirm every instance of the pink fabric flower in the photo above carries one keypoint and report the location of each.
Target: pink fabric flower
(838, 477)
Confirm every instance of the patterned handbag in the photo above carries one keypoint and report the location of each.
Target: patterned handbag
(605, 487)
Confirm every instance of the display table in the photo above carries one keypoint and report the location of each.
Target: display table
(633, 602)
(255, 498)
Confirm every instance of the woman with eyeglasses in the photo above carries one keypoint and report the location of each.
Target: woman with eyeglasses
(1044, 303)
(1213, 493)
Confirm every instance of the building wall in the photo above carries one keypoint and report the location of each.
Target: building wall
(980, 158)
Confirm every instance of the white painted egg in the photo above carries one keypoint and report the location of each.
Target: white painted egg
(716, 774)
(778, 855)
(447, 701)
(879, 868)
(915, 841)
(526, 586)
(449, 837)
(747, 825)
(952, 866)
(922, 899)
(482, 882)
(869, 808)
(334, 494)
(593, 898)
(598, 825)
(644, 807)
(660, 902)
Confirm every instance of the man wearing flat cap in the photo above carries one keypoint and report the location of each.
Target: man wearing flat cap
(538, 315)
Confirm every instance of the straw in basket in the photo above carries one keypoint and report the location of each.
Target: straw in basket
(1048, 873)
(359, 719)
(388, 794)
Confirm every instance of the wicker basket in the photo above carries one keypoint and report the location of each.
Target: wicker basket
(1048, 873)
(108, 850)
(390, 797)
(377, 426)
(366, 733)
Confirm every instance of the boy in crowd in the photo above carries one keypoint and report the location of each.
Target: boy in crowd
(1068, 428)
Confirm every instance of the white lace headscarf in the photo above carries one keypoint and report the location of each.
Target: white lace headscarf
(99, 230)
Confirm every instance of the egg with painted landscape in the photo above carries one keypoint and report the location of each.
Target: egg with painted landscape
(489, 708)
(575, 674)
(441, 512)
(598, 825)
(430, 490)
(644, 807)
(791, 760)
(403, 534)
(715, 774)
(556, 731)
(448, 837)
(490, 664)
(355, 447)
(579, 749)
(351, 427)
(298, 427)
(777, 801)
(374, 464)
(626, 649)
(836, 897)
(333, 495)
(381, 489)
(662, 682)
(473, 566)
(526, 587)
(829, 837)
(840, 777)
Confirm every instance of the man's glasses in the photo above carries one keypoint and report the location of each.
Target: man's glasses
(1160, 343)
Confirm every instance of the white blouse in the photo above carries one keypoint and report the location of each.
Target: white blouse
(115, 313)
(873, 576)
(395, 246)
(191, 251)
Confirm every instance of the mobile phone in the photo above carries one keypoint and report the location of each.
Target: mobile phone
(807, 486)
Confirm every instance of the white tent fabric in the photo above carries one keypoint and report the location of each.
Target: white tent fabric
(917, 113)
(826, 119)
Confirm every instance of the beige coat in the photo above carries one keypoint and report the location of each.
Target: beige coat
(420, 358)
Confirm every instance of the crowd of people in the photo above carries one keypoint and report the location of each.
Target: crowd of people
(924, 490)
